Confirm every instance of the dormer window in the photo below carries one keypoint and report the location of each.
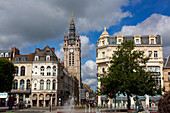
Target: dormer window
(152, 41)
(103, 42)
(17, 59)
(6, 54)
(36, 58)
(23, 59)
(2, 54)
(137, 41)
(47, 58)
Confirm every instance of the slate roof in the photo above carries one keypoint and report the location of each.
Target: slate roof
(167, 62)
(29, 57)
(144, 39)
(5, 51)
(42, 53)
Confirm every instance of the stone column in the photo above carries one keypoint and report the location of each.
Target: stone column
(17, 98)
(30, 96)
(51, 99)
(147, 100)
(44, 100)
(51, 84)
(37, 100)
(56, 99)
(132, 102)
(23, 97)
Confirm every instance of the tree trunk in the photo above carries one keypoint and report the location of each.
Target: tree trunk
(115, 104)
(128, 98)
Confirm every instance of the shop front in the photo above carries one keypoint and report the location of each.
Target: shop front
(153, 101)
(3, 99)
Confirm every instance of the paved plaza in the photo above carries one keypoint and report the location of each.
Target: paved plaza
(69, 110)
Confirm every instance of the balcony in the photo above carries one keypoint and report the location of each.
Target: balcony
(20, 91)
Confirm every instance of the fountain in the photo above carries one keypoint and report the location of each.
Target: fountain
(69, 105)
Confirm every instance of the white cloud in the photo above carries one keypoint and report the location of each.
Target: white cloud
(88, 73)
(90, 82)
(86, 47)
(155, 24)
(60, 53)
(26, 22)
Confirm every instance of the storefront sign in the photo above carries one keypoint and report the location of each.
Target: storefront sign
(3, 95)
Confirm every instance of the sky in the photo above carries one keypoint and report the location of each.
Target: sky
(30, 24)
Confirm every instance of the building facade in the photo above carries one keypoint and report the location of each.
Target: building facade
(167, 73)
(150, 44)
(72, 52)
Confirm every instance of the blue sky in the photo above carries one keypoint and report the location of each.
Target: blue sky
(37, 23)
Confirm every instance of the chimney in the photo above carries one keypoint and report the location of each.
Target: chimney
(37, 49)
(53, 49)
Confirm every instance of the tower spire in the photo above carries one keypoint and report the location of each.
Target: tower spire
(72, 14)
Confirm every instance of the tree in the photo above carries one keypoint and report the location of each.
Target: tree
(127, 73)
(7, 70)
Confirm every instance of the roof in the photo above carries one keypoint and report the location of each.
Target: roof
(167, 62)
(42, 53)
(29, 57)
(144, 39)
(88, 88)
(5, 51)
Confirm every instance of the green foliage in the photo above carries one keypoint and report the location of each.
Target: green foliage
(7, 70)
(127, 73)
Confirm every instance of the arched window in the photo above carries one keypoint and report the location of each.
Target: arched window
(21, 84)
(36, 58)
(54, 84)
(23, 59)
(48, 84)
(54, 70)
(48, 71)
(42, 85)
(17, 59)
(22, 71)
(42, 70)
(28, 84)
(103, 70)
(15, 84)
(16, 71)
(47, 58)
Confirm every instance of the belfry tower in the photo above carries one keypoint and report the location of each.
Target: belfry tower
(72, 52)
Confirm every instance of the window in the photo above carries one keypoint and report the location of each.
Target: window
(54, 84)
(137, 41)
(54, 70)
(103, 54)
(16, 71)
(42, 70)
(152, 41)
(23, 59)
(22, 71)
(103, 42)
(35, 86)
(119, 41)
(15, 84)
(168, 76)
(6, 54)
(2, 54)
(47, 58)
(155, 54)
(103, 70)
(36, 58)
(70, 59)
(41, 85)
(28, 84)
(48, 84)
(17, 59)
(150, 53)
(21, 84)
(154, 69)
(48, 71)
(73, 59)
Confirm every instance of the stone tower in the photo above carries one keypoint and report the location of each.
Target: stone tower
(72, 52)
